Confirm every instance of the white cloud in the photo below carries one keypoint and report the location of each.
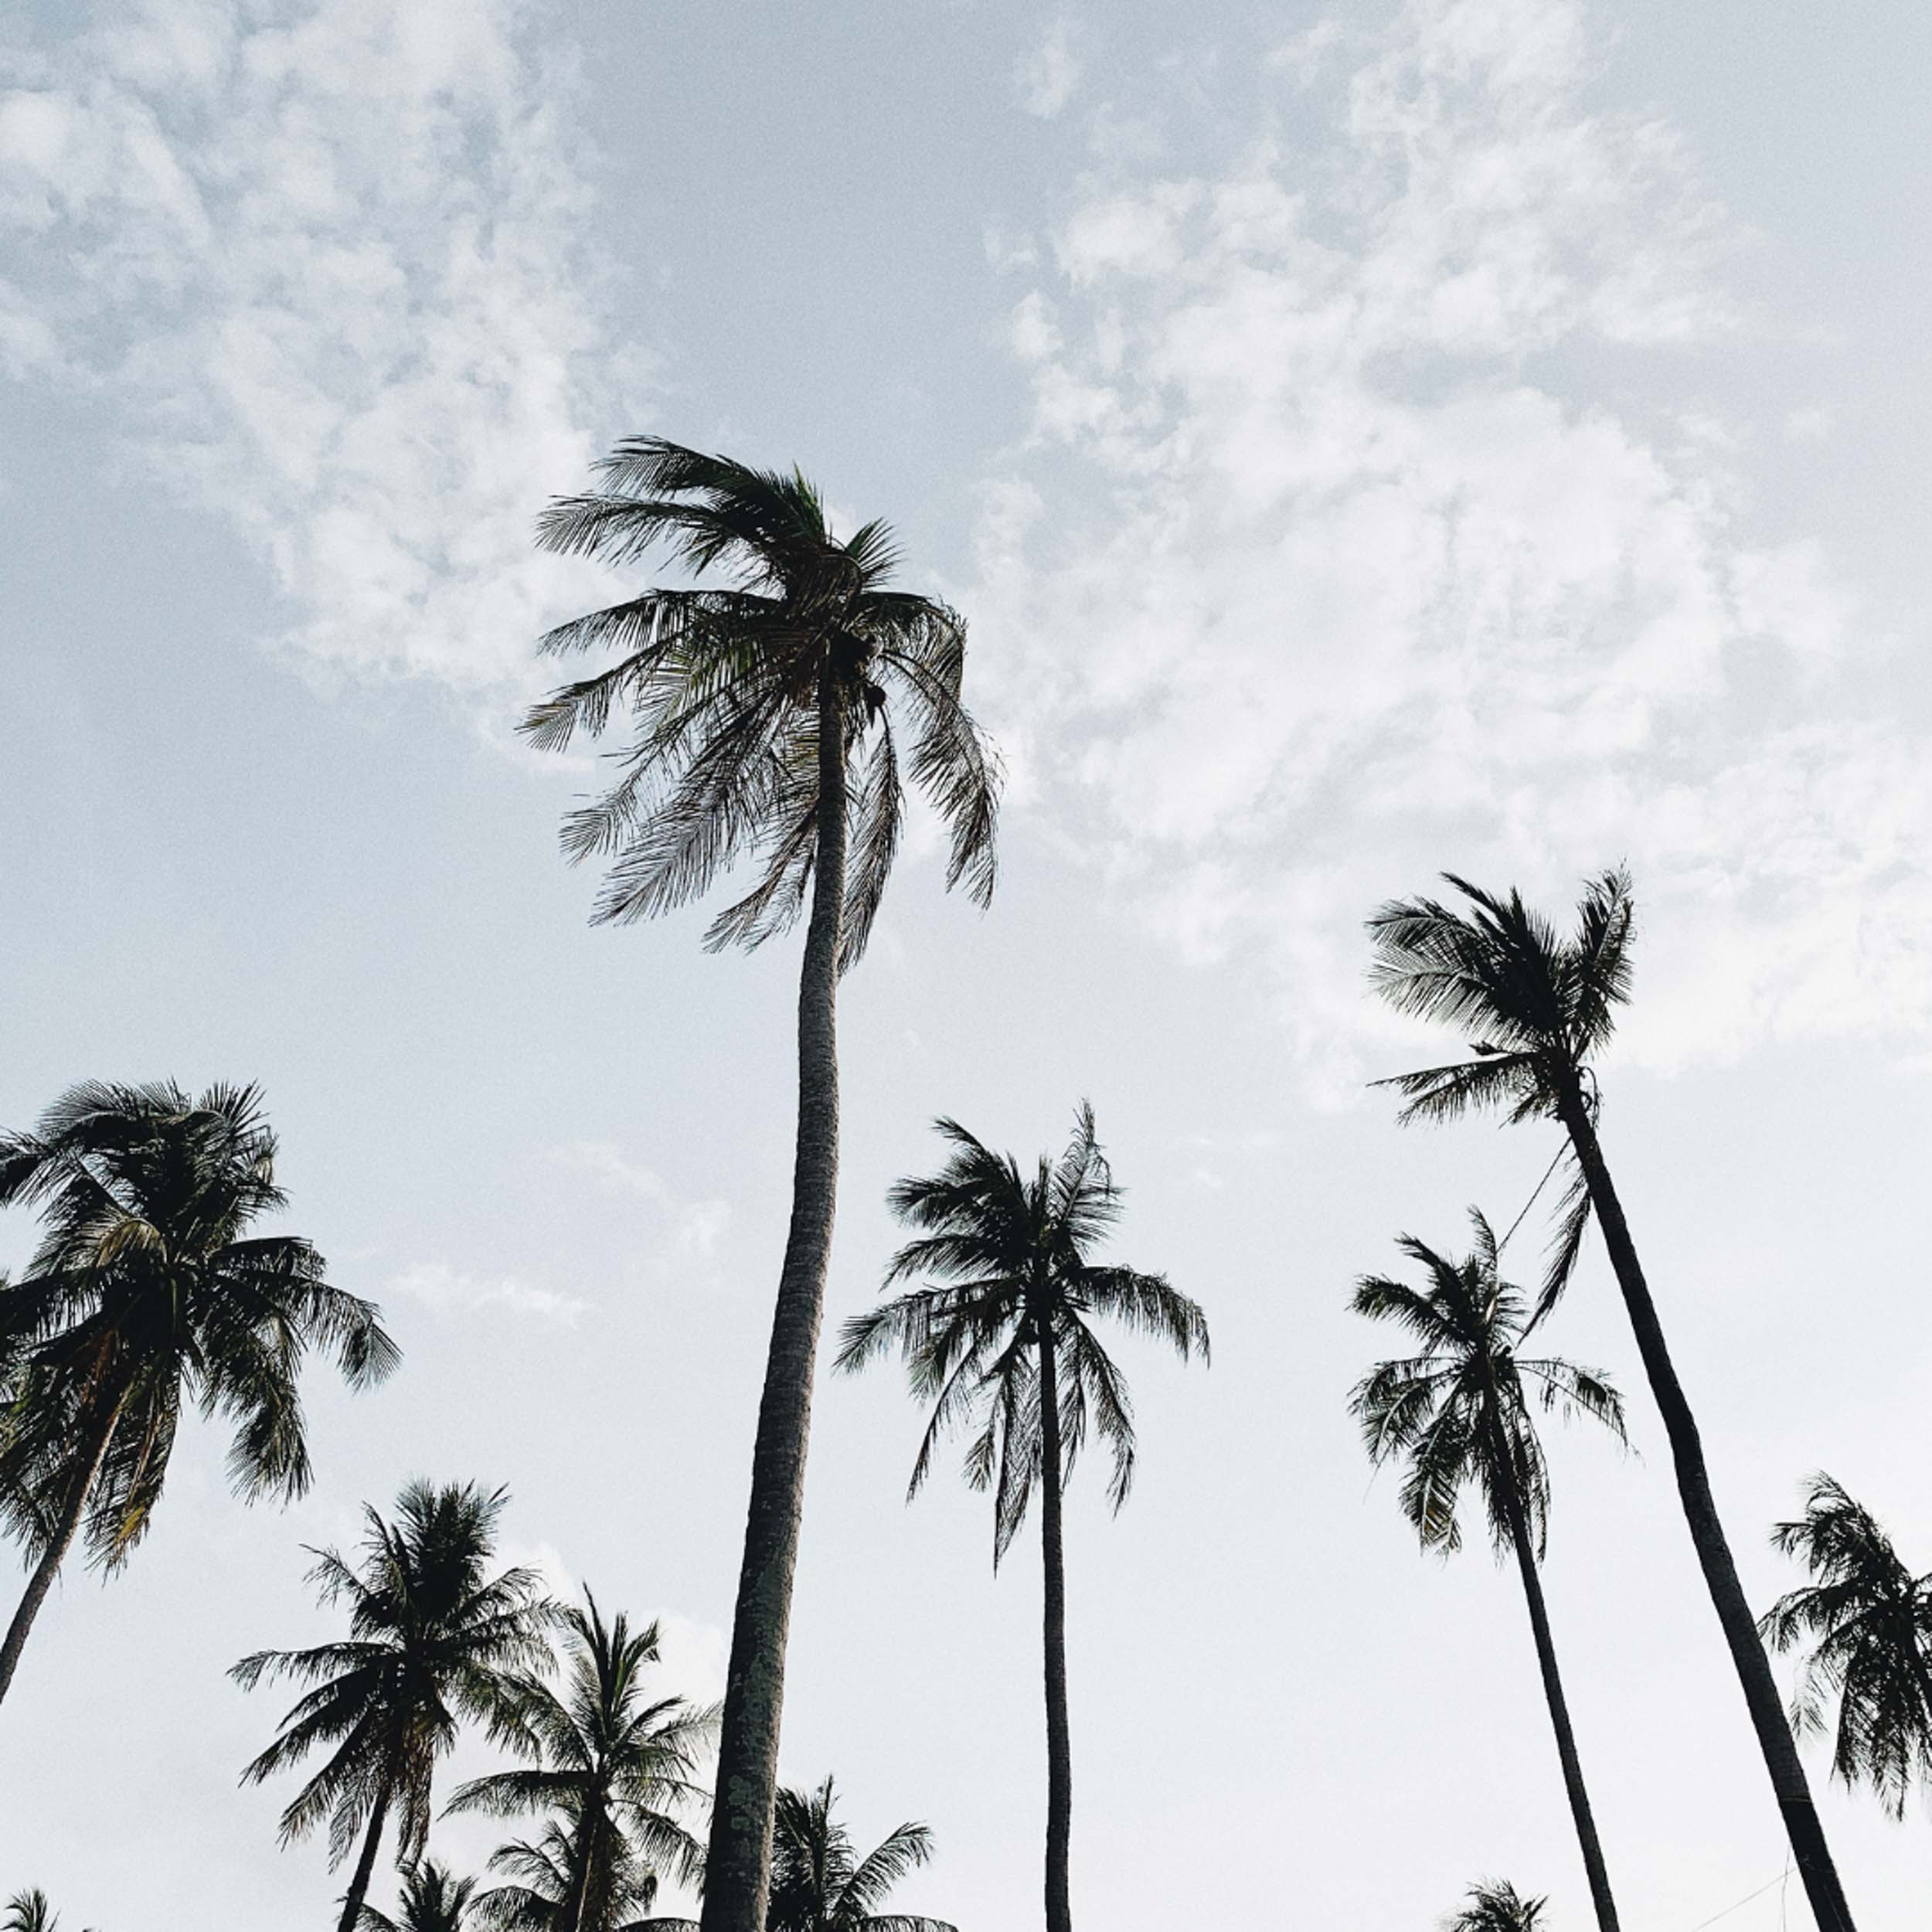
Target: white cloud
(1047, 78)
(446, 1290)
(696, 1227)
(1372, 581)
(329, 257)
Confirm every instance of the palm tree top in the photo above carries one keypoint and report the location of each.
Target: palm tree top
(434, 1899)
(726, 685)
(820, 1884)
(1496, 1905)
(1432, 1409)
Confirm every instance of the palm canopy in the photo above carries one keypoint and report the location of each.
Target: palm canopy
(615, 1770)
(433, 1641)
(433, 1900)
(727, 687)
(1535, 1006)
(1496, 1905)
(820, 1884)
(1868, 1622)
(1458, 1411)
(146, 1290)
(1005, 1254)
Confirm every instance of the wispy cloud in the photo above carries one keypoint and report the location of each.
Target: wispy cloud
(329, 257)
(1048, 76)
(449, 1291)
(696, 1227)
(1375, 580)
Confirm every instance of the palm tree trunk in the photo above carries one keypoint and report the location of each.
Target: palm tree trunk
(1533, 1586)
(1809, 1851)
(365, 1864)
(1060, 1748)
(87, 1472)
(738, 1866)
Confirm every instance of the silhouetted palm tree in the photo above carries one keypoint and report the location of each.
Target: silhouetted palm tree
(1458, 1413)
(147, 1292)
(764, 715)
(1868, 1621)
(1003, 1337)
(1497, 1906)
(432, 1900)
(1536, 1009)
(433, 1640)
(820, 1884)
(616, 1771)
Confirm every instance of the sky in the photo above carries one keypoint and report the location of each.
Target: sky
(1365, 440)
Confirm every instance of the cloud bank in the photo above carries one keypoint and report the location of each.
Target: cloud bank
(1389, 552)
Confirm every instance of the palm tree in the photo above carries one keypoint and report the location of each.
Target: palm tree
(1869, 1621)
(541, 1896)
(764, 711)
(818, 1884)
(1458, 1413)
(1497, 1906)
(1003, 1336)
(432, 1640)
(1537, 1009)
(432, 1900)
(146, 1292)
(617, 1768)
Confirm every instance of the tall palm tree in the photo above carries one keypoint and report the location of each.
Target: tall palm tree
(1457, 1413)
(433, 1900)
(433, 1640)
(147, 1291)
(1496, 1905)
(617, 1770)
(1536, 1009)
(1003, 1336)
(763, 710)
(1868, 1621)
(820, 1884)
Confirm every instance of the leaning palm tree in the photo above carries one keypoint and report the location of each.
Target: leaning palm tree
(148, 1292)
(820, 1884)
(763, 712)
(1868, 1621)
(433, 1900)
(1497, 1906)
(433, 1640)
(1457, 1414)
(1537, 1009)
(617, 1768)
(1003, 1336)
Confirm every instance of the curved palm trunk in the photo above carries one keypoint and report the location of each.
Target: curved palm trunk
(1060, 1748)
(1579, 1810)
(93, 1455)
(364, 1865)
(1809, 1851)
(738, 1864)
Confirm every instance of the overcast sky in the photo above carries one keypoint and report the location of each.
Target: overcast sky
(1481, 434)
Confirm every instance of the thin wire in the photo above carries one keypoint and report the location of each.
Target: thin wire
(1784, 1897)
(1782, 1878)
(1532, 1201)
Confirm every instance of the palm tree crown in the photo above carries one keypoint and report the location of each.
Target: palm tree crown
(1007, 1255)
(820, 1884)
(433, 1900)
(730, 688)
(1868, 1621)
(1458, 1411)
(1497, 1906)
(614, 1768)
(433, 1641)
(147, 1291)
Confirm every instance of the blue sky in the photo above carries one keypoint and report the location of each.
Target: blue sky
(1480, 433)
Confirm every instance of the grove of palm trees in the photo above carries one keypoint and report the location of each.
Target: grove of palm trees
(1081, 940)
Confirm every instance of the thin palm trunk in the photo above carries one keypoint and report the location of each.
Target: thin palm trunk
(1579, 1810)
(365, 1864)
(41, 1582)
(1809, 1851)
(1059, 1749)
(738, 1867)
